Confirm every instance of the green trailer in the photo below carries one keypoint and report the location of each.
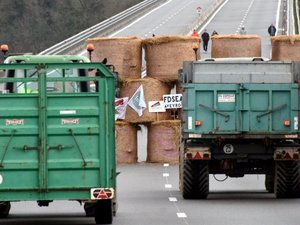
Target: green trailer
(57, 139)
(240, 117)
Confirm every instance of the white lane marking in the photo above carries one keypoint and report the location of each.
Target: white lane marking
(278, 13)
(166, 174)
(213, 16)
(168, 186)
(245, 17)
(172, 199)
(181, 215)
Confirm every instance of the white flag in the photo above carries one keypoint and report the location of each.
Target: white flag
(120, 108)
(137, 101)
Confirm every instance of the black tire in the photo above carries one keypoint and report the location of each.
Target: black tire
(89, 209)
(195, 179)
(4, 209)
(269, 183)
(287, 179)
(104, 212)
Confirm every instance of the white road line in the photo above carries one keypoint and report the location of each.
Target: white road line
(172, 199)
(168, 186)
(245, 17)
(181, 215)
(213, 16)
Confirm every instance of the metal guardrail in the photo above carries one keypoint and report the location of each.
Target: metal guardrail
(77, 42)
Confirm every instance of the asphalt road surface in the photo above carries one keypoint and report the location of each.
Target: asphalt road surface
(149, 195)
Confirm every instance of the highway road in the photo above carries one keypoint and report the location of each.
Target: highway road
(255, 15)
(149, 193)
(172, 18)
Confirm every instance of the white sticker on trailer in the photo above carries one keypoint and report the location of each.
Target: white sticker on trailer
(190, 123)
(226, 97)
(67, 112)
(296, 123)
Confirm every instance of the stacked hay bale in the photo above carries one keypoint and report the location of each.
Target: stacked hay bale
(165, 54)
(126, 142)
(153, 91)
(124, 53)
(224, 46)
(164, 57)
(286, 47)
(164, 141)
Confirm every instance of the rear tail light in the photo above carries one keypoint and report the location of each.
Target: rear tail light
(287, 123)
(198, 123)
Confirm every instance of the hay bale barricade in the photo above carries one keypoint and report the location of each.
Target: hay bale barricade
(224, 46)
(165, 54)
(286, 47)
(163, 141)
(124, 53)
(153, 91)
(126, 142)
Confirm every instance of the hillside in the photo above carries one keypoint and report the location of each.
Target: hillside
(34, 25)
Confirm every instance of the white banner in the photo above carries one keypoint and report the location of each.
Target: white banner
(137, 101)
(173, 101)
(120, 108)
(156, 106)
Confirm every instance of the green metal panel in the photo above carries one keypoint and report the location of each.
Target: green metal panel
(241, 108)
(57, 145)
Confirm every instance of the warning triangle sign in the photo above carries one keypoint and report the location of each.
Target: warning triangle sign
(102, 195)
(197, 156)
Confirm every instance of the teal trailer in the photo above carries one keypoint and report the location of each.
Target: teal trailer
(240, 117)
(57, 139)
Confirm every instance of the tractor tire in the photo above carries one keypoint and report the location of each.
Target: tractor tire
(195, 179)
(269, 183)
(4, 209)
(104, 212)
(287, 179)
(89, 209)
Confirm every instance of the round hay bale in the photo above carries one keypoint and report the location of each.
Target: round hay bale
(125, 53)
(126, 142)
(286, 48)
(165, 54)
(153, 91)
(225, 46)
(163, 141)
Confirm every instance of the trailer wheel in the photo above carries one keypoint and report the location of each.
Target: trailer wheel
(269, 183)
(195, 179)
(4, 209)
(104, 212)
(89, 209)
(287, 179)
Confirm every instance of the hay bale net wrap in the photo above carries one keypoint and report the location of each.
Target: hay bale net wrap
(164, 141)
(224, 46)
(125, 53)
(153, 91)
(164, 55)
(126, 142)
(286, 47)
